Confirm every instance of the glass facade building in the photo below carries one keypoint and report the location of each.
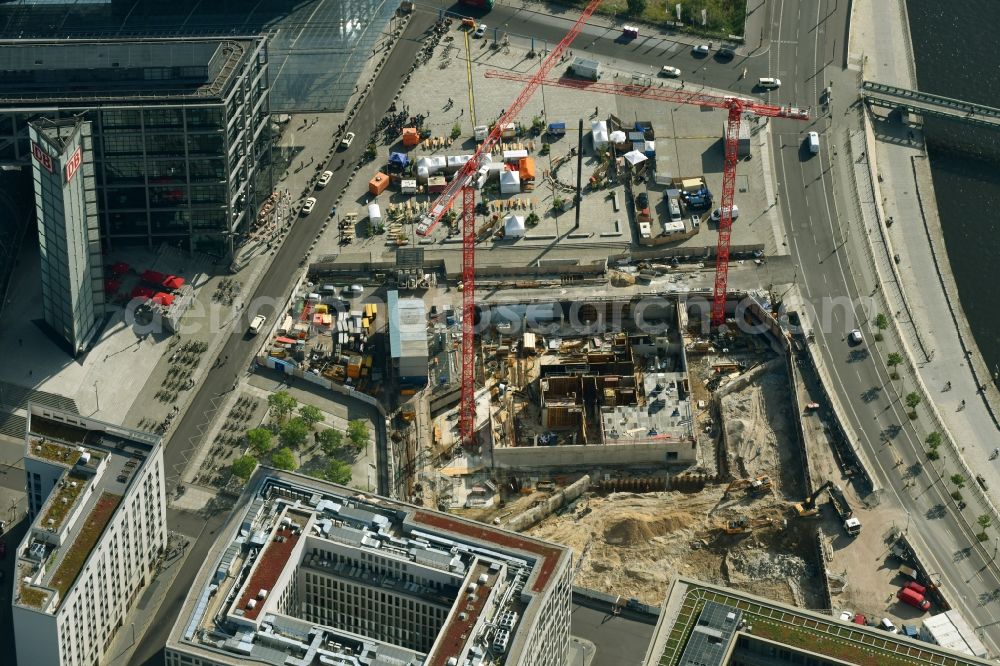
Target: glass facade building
(180, 130)
(68, 234)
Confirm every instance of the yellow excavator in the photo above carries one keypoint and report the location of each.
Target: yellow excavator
(754, 487)
(807, 507)
(744, 525)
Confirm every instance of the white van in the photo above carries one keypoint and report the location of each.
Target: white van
(768, 82)
(813, 140)
(257, 324)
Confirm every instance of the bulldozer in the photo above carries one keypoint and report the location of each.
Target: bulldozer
(754, 487)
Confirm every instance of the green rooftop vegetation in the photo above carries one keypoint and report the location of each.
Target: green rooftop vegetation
(63, 499)
(79, 550)
(32, 596)
(54, 451)
(828, 638)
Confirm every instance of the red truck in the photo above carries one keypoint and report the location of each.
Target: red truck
(916, 587)
(914, 598)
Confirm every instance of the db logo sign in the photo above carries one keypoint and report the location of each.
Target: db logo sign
(72, 164)
(43, 158)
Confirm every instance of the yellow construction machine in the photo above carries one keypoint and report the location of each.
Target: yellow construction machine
(754, 487)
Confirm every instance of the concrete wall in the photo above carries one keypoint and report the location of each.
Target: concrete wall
(531, 457)
(319, 380)
(533, 516)
(37, 633)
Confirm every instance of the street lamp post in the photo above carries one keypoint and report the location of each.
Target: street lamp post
(97, 397)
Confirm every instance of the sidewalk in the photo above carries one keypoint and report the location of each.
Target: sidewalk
(937, 341)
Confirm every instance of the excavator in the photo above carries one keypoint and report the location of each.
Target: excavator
(807, 507)
(744, 525)
(755, 487)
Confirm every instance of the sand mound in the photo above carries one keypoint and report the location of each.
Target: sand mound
(631, 529)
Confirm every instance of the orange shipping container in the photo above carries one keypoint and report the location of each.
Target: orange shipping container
(411, 136)
(378, 183)
(526, 167)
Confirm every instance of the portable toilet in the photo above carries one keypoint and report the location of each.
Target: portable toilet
(526, 168)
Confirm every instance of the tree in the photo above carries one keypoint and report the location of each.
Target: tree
(958, 480)
(311, 415)
(337, 471)
(282, 405)
(456, 131)
(284, 459)
(984, 521)
(912, 400)
(357, 432)
(881, 323)
(244, 466)
(934, 440)
(892, 360)
(294, 433)
(635, 7)
(330, 440)
(260, 440)
(932, 454)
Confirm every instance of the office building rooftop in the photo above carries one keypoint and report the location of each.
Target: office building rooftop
(109, 70)
(706, 625)
(312, 573)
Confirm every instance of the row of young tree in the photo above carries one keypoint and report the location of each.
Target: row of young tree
(290, 426)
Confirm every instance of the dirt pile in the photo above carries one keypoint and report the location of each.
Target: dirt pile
(632, 529)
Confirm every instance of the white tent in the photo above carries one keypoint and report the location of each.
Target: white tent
(432, 164)
(634, 157)
(617, 136)
(374, 213)
(513, 226)
(599, 130)
(510, 182)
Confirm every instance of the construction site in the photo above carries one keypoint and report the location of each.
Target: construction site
(731, 508)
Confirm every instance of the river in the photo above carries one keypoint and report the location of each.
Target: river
(957, 59)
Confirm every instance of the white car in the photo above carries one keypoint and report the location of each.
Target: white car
(717, 213)
(480, 30)
(701, 49)
(855, 337)
(324, 179)
(846, 616)
(346, 142)
(667, 70)
(354, 290)
(886, 625)
(308, 206)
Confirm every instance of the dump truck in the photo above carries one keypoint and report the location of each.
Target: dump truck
(839, 501)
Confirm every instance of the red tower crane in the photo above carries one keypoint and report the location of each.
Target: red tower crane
(737, 106)
(461, 183)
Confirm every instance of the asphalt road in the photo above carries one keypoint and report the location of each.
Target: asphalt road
(273, 288)
(815, 195)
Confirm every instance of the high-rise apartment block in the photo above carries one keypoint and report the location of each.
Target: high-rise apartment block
(98, 510)
(312, 573)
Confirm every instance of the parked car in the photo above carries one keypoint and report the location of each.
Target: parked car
(642, 201)
(701, 49)
(346, 142)
(354, 290)
(324, 179)
(672, 72)
(915, 586)
(886, 625)
(846, 615)
(480, 31)
(308, 206)
(860, 619)
(725, 53)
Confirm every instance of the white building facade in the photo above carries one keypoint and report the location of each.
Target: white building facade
(98, 508)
